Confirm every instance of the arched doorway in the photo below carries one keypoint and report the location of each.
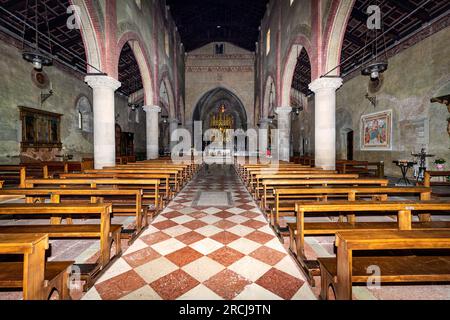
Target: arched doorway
(220, 102)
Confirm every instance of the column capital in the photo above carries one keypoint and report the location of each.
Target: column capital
(149, 109)
(283, 110)
(325, 83)
(102, 81)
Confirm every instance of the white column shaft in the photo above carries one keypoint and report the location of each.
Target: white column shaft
(325, 121)
(104, 119)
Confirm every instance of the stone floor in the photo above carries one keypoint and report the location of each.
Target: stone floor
(219, 247)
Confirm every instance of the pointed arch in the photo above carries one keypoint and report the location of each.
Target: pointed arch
(270, 93)
(334, 34)
(141, 56)
(289, 68)
(91, 34)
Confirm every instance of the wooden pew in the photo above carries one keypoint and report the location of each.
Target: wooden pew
(34, 276)
(99, 211)
(182, 174)
(428, 182)
(269, 185)
(285, 199)
(189, 169)
(363, 168)
(125, 203)
(165, 187)
(259, 178)
(168, 177)
(341, 272)
(403, 209)
(13, 175)
(150, 187)
(253, 173)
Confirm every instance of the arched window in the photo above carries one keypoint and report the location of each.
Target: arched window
(84, 114)
(80, 120)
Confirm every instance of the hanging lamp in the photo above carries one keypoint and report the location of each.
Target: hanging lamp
(377, 63)
(35, 55)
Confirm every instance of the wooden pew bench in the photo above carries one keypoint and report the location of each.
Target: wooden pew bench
(403, 209)
(169, 179)
(150, 187)
(285, 199)
(36, 278)
(443, 183)
(184, 170)
(341, 272)
(13, 175)
(125, 203)
(178, 176)
(269, 185)
(256, 176)
(259, 188)
(103, 230)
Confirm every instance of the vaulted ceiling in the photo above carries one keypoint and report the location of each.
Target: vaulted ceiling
(200, 22)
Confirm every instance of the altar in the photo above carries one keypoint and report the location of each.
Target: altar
(218, 156)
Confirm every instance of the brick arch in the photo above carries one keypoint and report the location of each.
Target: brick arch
(269, 80)
(142, 58)
(91, 34)
(165, 79)
(301, 42)
(333, 38)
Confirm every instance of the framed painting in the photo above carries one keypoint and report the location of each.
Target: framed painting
(40, 129)
(376, 131)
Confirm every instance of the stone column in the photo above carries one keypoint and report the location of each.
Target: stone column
(284, 132)
(325, 123)
(104, 119)
(152, 118)
(263, 136)
(173, 126)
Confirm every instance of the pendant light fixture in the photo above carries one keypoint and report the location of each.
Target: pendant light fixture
(35, 54)
(377, 63)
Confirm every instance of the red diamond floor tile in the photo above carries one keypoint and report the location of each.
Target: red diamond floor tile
(120, 286)
(155, 238)
(184, 256)
(190, 237)
(224, 224)
(227, 284)
(280, 283)
(226, 256)
(195, 224)
(267, 255)
(225, 237)
(138, 258)
(255, 224)
(174, 285)
(165, 224)
(259, 237)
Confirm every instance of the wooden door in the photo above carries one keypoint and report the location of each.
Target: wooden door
(350, 140)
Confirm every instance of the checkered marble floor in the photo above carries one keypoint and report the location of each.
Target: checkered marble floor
(206, 252)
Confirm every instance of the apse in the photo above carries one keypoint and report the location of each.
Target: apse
(210, 105)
